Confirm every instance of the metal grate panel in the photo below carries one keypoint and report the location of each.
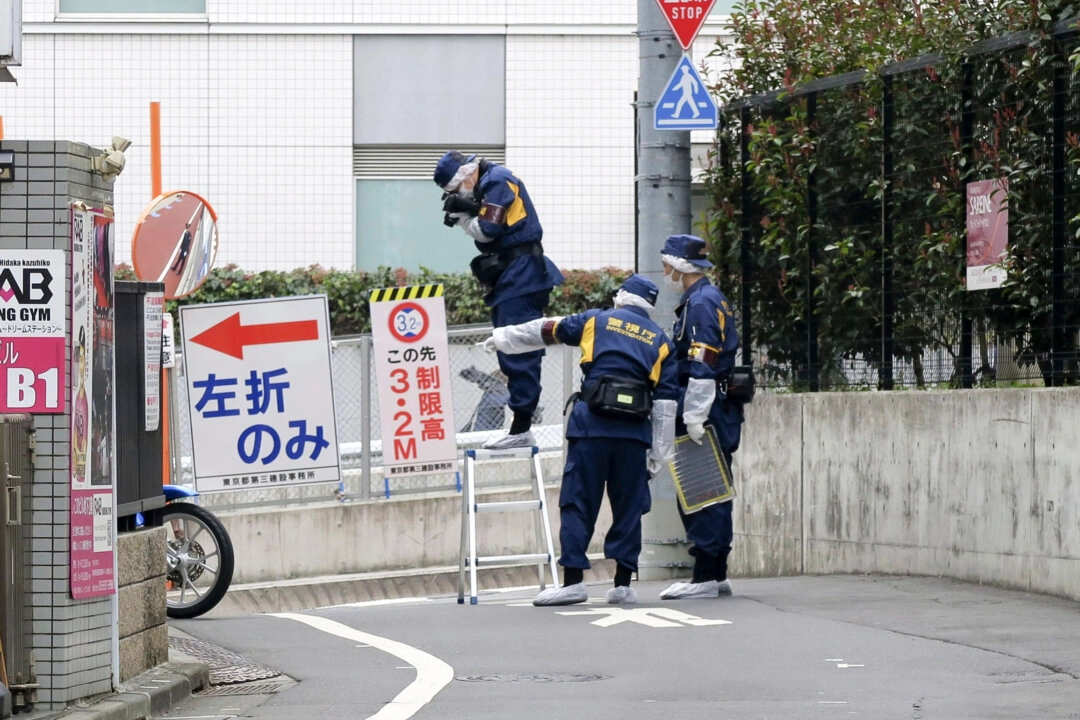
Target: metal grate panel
(412, 161)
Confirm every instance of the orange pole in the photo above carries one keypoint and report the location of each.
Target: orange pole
(166, 455)
(155, 190)
(155, 148)
(1, 127)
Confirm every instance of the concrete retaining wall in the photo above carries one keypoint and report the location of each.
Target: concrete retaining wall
(978, 485)
(144, 636)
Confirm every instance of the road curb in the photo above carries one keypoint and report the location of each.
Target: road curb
(151, 694)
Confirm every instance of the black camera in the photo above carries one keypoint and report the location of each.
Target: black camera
(448, 221)
(456, 204)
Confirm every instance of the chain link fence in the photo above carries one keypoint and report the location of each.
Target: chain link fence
(478, 396)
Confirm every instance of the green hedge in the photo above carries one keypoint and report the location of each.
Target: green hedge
(348, 291)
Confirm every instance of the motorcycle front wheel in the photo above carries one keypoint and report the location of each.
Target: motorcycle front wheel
(199, 560)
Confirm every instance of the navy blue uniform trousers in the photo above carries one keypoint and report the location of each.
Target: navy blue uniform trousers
(522, 371)
(591, 465)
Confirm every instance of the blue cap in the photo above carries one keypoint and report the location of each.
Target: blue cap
(448, 166)
(687, 247)
(641, 286)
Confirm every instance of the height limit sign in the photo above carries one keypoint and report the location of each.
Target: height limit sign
(686, 17)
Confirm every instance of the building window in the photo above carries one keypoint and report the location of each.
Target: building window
(415, 97)
(132, 7)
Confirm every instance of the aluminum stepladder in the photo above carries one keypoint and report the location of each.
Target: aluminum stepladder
(544, 559)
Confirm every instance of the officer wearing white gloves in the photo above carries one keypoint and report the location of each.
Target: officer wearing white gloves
(493, 208)
(706, 341)
(620, 432)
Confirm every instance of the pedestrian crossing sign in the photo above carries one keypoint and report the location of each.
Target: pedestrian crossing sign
(686, 103)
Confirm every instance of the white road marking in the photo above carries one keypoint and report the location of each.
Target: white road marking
(389, 601)
(432, 674)
(650, 617)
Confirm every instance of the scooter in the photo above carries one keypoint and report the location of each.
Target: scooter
(198, 555)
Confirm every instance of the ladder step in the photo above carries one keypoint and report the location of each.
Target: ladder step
(510, 559)
(509, 506)
(516, 453)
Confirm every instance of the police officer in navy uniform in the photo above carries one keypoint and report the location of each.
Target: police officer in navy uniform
(492, 206)
(624, 355)
(706, 341)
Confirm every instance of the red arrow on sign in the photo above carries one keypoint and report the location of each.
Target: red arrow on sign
(686, 17)
(230, 337)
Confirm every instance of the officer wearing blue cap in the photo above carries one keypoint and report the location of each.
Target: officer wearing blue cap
(493, 208)
(621, 429)
(706, 341)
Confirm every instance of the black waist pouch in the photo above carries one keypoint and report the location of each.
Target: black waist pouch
(617, 397)
(741, 384)
(487, 268)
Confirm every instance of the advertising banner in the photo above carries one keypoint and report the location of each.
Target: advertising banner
(33, 302)
(93, 522)
(987, 233)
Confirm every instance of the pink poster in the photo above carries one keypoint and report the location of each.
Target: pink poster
(93, 522)
(33, 299)
(987, 233)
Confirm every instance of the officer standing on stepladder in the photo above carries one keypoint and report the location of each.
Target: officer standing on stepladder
(705, 344)
(492, 206)
(621, 429)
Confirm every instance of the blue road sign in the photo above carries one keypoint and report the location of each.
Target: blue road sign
(685, 104)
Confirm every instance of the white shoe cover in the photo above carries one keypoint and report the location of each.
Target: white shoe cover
(687, 591)
(672, 588)
(569, 595)
(525, 439)
(622, 595)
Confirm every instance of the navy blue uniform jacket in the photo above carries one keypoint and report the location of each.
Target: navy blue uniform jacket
(623, 342)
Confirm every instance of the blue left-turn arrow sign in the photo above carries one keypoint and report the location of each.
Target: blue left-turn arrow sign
(685, 104)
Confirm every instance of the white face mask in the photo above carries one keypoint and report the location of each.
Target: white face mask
(672, 284)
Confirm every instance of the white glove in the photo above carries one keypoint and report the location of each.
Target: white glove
(471, 226)
(696, 431)
(663, 429)
(653, 464)
(488, 344)
(515, 339)
(698, 401)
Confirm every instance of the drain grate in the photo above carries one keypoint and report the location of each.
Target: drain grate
(226, 667)
(534, 678)
(253, 688)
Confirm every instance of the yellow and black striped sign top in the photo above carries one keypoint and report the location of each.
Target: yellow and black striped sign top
(413, 292)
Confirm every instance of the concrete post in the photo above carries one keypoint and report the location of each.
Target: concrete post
(663, 208)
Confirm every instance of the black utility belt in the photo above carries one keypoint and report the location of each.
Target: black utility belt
(488, 267)
(617, 397)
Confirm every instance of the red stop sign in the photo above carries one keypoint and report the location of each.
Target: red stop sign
(685, 17)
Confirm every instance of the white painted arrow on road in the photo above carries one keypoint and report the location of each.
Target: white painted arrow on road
(650, 617)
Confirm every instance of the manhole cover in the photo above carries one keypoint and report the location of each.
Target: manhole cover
(534, 678)
(225, 667)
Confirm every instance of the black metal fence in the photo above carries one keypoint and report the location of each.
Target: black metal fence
(840, 210)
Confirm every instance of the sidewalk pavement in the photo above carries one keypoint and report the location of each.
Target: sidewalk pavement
(149, 695)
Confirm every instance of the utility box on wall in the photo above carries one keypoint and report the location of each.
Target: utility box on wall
(139, 306)
(17, 460)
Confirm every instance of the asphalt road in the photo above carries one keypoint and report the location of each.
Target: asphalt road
(800, 648)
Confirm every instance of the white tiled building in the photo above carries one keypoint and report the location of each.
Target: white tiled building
(312, 126)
